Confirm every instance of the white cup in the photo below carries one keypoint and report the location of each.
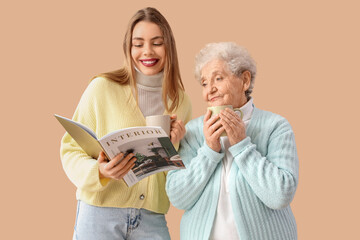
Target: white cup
(162, 121)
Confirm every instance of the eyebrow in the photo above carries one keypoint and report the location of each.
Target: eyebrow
(216, 73)
(154, 38)
(202, 78)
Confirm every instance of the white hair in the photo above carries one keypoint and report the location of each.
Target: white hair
(236, 57)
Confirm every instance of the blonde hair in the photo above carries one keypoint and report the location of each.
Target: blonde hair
(172, 83)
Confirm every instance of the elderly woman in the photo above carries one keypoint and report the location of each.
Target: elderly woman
(239, 186)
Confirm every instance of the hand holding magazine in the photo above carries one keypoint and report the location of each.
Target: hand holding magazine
(150, 145)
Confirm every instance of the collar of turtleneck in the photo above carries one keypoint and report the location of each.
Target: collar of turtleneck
(149, 81)
(247, 110)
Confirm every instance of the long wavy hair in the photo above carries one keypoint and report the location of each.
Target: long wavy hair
(172, 83)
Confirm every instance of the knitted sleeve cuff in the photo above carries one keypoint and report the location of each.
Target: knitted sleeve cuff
(240, 147)
(98, 184)
(211, 154)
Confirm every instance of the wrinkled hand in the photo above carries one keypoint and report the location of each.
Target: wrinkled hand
(114, 169)
(177, 130)
(212, 131)
(233, 125)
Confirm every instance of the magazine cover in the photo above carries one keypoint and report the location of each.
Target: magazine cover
(150, 145)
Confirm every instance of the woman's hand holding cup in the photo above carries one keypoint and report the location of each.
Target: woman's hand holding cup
(177, 131)
(212, 130)
(233, 125)
(226, 121)
(174, 128)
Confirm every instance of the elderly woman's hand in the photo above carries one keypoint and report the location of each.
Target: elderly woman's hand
(212, 131)
(233, 125)
(177, 131)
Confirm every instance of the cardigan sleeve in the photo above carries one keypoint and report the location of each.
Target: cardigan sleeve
(273, 177)
(184, 187)
(82, 170)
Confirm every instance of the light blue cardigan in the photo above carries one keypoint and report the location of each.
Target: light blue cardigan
(262, 182)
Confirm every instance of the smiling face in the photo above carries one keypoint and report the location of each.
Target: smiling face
(221, 87)
(148, 48)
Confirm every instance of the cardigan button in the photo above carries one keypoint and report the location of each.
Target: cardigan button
(142, 197)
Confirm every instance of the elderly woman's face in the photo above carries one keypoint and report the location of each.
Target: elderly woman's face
(221, 87)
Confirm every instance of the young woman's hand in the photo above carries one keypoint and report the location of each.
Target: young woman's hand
(177, 130)
(212, 131)
(233, 125)
(117, 168)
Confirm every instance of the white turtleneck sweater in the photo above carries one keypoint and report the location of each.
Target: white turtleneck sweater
(150, 93)
(224, 224)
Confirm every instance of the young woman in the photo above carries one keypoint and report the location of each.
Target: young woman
(149, 83)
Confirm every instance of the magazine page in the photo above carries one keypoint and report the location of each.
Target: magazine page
(65, 120)
(150, 145)
(84, 136)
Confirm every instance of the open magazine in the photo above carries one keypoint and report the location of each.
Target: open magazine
(150, 145)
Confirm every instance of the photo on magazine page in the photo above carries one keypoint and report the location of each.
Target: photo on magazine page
(153, 155)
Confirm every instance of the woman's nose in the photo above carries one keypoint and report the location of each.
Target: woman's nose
(148, 50)
(212, 88)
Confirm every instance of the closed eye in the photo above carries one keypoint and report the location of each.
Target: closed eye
(203, 83)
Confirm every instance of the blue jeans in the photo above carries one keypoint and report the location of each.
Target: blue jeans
(105, 223)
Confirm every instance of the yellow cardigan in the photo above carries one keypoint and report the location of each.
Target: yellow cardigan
(104, 107)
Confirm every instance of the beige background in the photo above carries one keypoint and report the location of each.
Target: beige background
(307, 55)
